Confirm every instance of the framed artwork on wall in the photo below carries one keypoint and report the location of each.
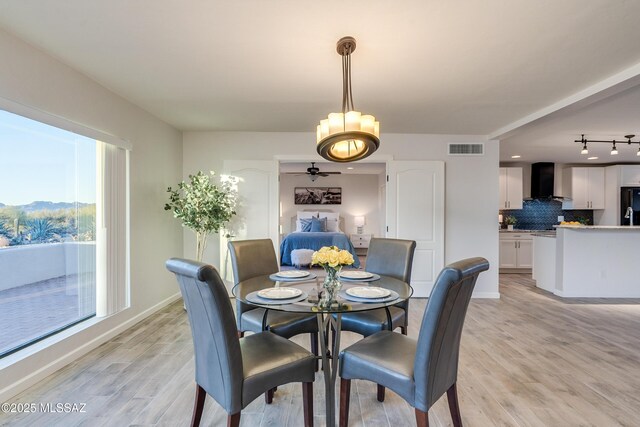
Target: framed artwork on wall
(317, 195)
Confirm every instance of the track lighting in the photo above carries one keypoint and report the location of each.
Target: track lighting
(614, 148)
(584, 149)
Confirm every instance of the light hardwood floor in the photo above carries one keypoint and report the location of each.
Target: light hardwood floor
(528, 359)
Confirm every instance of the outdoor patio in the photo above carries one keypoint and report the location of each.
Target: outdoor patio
(29, 311)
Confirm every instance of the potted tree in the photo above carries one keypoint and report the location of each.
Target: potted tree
(510, 220)
(203, 205)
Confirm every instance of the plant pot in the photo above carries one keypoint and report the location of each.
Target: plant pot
(510, 227)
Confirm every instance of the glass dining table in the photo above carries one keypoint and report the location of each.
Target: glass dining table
(308, 299)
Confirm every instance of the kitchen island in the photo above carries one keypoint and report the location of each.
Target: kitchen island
(590, 261)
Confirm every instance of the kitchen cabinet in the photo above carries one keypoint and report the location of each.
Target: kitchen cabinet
(630, 176)
(516, 251)
(510, 188)
(584, 187)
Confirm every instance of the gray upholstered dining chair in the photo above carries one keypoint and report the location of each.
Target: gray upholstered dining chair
(419, 371)
(232, 370)
(389, 257)
(252, 258)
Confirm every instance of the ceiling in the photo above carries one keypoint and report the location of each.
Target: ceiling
(436, 66)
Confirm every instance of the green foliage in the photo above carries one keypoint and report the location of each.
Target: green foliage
(202, 205)
(41, 230)
(510, 220)
(48, 226)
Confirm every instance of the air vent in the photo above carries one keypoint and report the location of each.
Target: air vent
(466, 149)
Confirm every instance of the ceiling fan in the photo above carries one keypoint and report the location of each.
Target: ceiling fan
(314, 172)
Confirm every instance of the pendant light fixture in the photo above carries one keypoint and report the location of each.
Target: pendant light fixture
(350, 135)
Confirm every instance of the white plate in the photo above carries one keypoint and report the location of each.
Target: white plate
(368, 292)
(290, 274)
(279, 293)
(356, 274)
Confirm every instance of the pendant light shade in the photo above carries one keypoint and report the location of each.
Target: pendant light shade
(350, 135)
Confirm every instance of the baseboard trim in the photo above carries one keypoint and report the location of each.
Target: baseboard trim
(29, 380)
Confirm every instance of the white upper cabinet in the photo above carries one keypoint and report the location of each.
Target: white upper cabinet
(510, 188)
(630, 176)
(584, 187)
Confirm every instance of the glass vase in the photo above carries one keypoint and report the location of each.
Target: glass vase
(331, 286)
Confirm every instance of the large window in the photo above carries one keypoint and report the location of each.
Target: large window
(51, 189)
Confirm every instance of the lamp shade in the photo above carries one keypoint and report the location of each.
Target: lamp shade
(358, 221)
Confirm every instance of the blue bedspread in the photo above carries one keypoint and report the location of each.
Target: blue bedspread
(315, 241)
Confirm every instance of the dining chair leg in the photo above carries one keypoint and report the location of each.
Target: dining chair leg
(454, 406)
(268, 396)
(198, 406)
(380, 393)
(403, 330)
(422, 418)
(240, 334)
(345, 396)
(307, 402)
(314, 347)
(233, 420)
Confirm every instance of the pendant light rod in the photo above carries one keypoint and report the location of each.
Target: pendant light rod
(610, 141)
(614, 149)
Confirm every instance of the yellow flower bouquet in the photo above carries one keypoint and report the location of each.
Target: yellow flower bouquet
(331, 256)
(332, 259)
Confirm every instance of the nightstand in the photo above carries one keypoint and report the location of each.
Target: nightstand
(361, 243)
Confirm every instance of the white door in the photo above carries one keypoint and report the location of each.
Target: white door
(258, 211)
(596, 188)
(580, 188)
(525, 253)
(503, 188)
(514, 188)
(415, 211)
(508, 253)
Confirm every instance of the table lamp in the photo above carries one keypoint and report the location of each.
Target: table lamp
(359, 222)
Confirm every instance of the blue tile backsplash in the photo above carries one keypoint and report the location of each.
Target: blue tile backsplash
(541, 214)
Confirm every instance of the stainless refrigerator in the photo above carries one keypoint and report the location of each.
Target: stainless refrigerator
(630, 205)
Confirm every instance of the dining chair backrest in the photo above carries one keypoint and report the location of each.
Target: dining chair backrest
(215, 340)
(249, 259)
(436, 362)
(391, 257)
(252, 258)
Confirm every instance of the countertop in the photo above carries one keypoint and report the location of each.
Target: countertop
(600, 227)
(551, 234)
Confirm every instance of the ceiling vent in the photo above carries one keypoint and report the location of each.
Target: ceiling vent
(466, 149)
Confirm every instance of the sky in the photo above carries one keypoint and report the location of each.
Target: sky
(42, 162)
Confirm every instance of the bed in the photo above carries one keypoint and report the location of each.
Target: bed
(314, 241)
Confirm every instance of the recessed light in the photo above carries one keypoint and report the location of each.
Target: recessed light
(592, 158)
(350, 168)
(515, 157)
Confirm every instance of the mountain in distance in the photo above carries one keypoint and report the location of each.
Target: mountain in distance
(48, 206)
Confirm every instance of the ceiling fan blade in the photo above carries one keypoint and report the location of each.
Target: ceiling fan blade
(296, 173)
(322, 174)
(332, 173)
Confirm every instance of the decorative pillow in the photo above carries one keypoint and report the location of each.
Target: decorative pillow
(305, 224)
(333, 225)
(318, 225)
(329, 215)
(305, 214)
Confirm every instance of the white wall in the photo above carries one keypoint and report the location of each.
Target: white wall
(471, 183)
(359, 197)
(34, 79)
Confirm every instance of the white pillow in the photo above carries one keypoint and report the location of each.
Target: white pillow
(333, 225)
(305, 214)
(329, 215)
(298, 226)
